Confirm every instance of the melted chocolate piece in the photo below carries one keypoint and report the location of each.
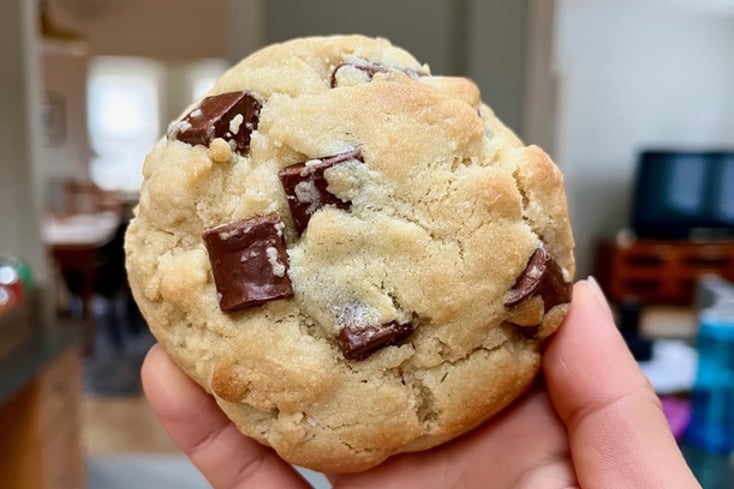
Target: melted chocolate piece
(371, 70)
(542, 276)
(306, 188)
(249, 262)
(359, 343)
(528, 332)
(232, 116)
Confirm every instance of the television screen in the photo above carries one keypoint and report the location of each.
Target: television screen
(684, 195)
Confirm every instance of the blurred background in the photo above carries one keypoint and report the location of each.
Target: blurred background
(631, 98)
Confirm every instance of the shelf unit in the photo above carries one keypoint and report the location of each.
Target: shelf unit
(660, 272)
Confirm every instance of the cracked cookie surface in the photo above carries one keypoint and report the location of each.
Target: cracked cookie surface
(355, 257)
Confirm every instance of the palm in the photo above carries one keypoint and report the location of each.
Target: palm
(526, 447)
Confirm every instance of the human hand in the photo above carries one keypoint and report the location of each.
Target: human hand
(593, 423)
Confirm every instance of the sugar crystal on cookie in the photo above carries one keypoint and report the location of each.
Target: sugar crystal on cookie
(354, 72)
(306, 187)
(249, 262)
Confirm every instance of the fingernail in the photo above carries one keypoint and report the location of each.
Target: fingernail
(599, 294)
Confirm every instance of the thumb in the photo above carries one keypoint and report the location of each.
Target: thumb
(618, 434)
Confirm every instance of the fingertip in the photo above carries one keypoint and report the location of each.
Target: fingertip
(594, 289)
(157, 366)
(588, 296)
(154, 352)
(588, 321)
(148, 369)
(587, 360)
(605, 402)
(168, 389)
(205, 434)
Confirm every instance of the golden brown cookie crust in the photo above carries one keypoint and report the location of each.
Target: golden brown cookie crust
(446, 209)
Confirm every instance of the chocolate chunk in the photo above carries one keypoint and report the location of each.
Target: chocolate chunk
(232, 116)
(528, 332)
(249, 262)
(542, 276)
(370, 70)
(306, 188)
(359, 343)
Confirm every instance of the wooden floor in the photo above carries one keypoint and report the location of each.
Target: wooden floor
(128, 448)
(122, 425)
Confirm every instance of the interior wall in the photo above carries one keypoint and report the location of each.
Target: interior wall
(20, 227)
(482, 39)
(497, 55)
(64, 151)
(632, 76)
(424, 27)
(540, 104)
(160, 29)
(245, 19)
(176, 34)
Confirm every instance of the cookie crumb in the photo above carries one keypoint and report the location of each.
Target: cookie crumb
(273, 258)
(220, 151)
(177, 127)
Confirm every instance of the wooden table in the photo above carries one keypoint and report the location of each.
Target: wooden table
(74, 242)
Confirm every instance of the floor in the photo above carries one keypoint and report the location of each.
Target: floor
(126, 446)
(142, 472)
(128, 449)
(123, 425)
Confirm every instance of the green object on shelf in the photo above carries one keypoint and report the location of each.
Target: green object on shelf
(14, 269)
(26, 275)
(17, 285)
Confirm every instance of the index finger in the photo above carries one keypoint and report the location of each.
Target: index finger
(228, 459)
(618, 434)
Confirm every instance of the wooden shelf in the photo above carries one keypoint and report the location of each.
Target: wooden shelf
(660, 272)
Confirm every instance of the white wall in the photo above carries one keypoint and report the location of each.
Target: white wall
(161, 29)
(482, 39)
(634, 75)
(497, 55)
(245, 19)
(20, 228)
(65, 154)
(540, 102)
(177, 34)
(423, 27)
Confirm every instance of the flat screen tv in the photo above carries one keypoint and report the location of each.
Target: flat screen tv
(684, 195)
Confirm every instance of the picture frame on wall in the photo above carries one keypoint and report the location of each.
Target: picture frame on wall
(54, 119)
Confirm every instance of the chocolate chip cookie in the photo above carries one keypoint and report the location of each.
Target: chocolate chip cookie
(355, 257)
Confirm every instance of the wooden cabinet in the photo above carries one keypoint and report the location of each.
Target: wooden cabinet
(660, 272)
(40, 441)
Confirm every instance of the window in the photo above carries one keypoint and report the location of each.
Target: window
(204, 74)
(125, 100)
(123, 118)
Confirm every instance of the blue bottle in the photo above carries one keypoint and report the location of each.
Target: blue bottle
(712, 404)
